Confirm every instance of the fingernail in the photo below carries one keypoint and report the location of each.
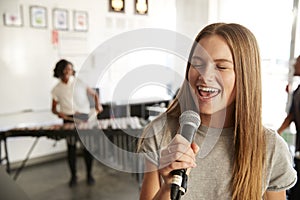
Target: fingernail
(194, 164)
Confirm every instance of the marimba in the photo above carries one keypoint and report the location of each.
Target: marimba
(111, 141)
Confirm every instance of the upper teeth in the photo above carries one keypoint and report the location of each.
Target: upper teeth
(206, 89)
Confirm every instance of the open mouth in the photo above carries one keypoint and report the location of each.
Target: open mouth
(208, 92)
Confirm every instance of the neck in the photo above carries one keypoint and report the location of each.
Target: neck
(221, 119)
(65, 79)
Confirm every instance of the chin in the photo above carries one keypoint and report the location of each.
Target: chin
(206, 111)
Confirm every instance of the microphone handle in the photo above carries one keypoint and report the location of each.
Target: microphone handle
(177, 181)
(188, 131)
(183, 187)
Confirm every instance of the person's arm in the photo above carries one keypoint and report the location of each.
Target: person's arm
(94, 94)
(287, 121)
(276, 195)
(54, 104)
(152, 188)
(54, 109)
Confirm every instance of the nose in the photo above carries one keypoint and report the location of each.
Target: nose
(207, 73)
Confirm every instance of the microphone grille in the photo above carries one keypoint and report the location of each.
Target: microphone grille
(189, 116)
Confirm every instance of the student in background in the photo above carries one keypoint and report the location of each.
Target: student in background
(294, 116)
(69, 104)
(248, 161)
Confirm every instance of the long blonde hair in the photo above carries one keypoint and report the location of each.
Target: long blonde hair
(249, 139)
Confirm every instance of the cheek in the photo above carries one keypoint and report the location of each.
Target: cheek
(68, 72)
(193, 75)
(231, 88)
(233, 95)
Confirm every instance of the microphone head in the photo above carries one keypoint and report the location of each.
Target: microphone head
(190, 117)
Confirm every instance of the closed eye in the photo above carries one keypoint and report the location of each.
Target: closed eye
(198, 62)
(198, 65)
(221, 67)
(224, 64)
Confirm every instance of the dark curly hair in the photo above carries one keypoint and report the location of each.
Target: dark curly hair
(60, 66)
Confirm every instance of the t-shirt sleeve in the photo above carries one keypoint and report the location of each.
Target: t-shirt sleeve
(149, 147)
(282, 174)
(53, 94)
(154, 140)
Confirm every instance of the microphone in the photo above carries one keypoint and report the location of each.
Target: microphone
(189, 122)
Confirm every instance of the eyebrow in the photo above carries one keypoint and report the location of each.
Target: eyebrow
(196, 57)
(223, 60)
(216, 60)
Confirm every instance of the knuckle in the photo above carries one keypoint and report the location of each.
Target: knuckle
(173, 165)
(178, 155)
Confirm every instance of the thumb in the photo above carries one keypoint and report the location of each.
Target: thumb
(195, 147)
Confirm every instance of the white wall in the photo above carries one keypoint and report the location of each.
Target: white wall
(27, 55)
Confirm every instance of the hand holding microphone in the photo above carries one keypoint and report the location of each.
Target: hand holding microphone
(189, 123)
(180, 154)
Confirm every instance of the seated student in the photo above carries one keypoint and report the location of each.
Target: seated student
(73, 103)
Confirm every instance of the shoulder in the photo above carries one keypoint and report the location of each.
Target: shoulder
(274, 140)
(156, 136)
(156, 129)
(275, 144)
(56, 87)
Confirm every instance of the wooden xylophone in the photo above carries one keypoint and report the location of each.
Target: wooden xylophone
(111, 141)
(109, 126)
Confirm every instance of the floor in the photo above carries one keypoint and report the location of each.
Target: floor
(50, 181)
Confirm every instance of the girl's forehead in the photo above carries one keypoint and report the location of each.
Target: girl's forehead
(212, 48)
(200, 53)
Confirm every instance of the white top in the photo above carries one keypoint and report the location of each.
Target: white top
(71, 96)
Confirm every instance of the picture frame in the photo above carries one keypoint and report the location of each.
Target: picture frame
(38, 17)
(80, 19)
(60, 19)
(12, 19)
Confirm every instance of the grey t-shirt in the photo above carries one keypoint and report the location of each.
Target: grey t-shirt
(211, 179)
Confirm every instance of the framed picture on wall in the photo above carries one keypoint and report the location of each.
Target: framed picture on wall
(60, 19)
(80, 21)
(13, 19)
(38, 17)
